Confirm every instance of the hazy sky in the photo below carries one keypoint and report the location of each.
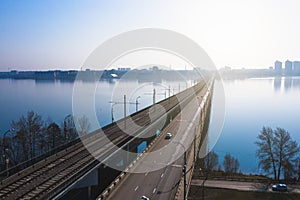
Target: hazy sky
(60, 34)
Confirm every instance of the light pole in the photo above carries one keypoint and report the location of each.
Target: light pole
(137, 103)
(205, 174)
(112, 112)
(120, 102)
(183, 169)
(6, 160)
(154, 94)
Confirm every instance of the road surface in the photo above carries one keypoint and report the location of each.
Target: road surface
(162, 184)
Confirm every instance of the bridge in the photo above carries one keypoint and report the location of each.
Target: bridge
(73, 172)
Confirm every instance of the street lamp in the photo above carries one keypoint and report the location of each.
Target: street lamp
(136, 103)
(183, 169)
(124, 103)
(205, 174)
(112, 112)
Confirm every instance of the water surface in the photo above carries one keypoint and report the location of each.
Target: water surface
(252, 104)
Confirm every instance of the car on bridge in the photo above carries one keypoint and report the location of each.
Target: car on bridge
(168, 135)
(144, 198)
(279, 187)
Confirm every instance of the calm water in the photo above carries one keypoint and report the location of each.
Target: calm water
(53, 99)
(252, 104)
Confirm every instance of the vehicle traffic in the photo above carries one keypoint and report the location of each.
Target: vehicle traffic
(168, 136)
(279, 187)
(144, 198)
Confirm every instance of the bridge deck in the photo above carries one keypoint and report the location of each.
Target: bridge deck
(50, 176)
(163, 183)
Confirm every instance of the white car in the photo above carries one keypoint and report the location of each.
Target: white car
(168, 135)
(144, 198)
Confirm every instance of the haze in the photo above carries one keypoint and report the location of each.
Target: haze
(60, 34)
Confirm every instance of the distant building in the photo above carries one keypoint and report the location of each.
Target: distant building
(13, 72)
(288, 67)
(278, 67)
(296, 67)
(124, 69)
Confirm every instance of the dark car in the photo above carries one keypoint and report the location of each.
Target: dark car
(279, 187)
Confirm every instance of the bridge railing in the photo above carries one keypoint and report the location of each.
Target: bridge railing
(23, 165)
(19, 167)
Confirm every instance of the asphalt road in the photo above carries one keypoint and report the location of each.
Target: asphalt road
(161, 184)
(243, 186)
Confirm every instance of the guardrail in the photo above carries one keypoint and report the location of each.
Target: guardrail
(117, 180)
(206, 100)
(112, 186)
(19, 167)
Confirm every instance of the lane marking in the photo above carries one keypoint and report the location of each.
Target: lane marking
(179, 166)
(161, 175)
(137, 187)
(154, 190)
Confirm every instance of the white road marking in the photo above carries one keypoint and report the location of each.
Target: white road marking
(154, 190)
(137, 187)
(179, 166)
(161, 175)
(146, 174)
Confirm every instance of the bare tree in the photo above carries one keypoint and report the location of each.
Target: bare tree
(286, 150)
(230, 164)
(83, 125)
(69, 130)
(277, 152)
(28, 131)
(32, 136)
(266, 149)
(297, 170)
(211, 161)
(53, 135)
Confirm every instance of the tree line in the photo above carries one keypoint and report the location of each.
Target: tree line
(277, 152)
(31, 136)
(230, 164)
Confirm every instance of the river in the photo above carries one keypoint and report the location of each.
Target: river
(250, 105)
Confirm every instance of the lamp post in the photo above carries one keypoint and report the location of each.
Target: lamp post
(183, 169)
(120, 102)
(205, 174)
(112, 112)
(137, 103)
(154, 94)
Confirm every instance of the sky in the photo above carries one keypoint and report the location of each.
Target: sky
(60, 34)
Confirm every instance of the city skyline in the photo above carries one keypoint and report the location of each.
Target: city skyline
(61, 34)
